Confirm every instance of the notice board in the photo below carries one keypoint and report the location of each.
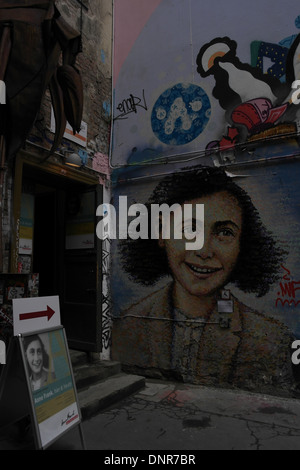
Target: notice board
(38, 379)
(53, 395)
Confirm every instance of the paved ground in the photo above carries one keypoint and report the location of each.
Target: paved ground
(168, 416)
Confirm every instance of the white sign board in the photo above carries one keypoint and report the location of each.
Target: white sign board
(35, 313)
(79, 138)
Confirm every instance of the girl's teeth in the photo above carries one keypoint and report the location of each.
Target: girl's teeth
(203, 270)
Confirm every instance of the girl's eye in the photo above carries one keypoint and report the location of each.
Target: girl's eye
(225, 233)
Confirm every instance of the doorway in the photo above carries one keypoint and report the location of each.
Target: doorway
(66, 252)
(46, 243)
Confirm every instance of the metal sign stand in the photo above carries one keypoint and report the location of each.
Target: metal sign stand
(54, 407)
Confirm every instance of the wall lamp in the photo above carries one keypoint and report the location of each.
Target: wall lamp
(73, 159)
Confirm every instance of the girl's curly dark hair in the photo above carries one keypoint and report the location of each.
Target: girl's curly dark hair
(259, 259)
(29, 339)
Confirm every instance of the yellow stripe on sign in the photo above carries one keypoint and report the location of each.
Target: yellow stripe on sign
(54, 406)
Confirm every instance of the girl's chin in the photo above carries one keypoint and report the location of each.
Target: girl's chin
(199, 291)
(204, 285)
(203, 292)
(203, 288)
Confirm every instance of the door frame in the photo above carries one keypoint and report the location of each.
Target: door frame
(24, 158)
(88, 177)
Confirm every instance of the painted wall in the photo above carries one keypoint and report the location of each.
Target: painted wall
(170, 100)
(207, 84)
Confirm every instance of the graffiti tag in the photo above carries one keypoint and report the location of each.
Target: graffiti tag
(131, 105)
(288, 290)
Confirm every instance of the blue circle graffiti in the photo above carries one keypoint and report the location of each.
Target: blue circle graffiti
(180, 114)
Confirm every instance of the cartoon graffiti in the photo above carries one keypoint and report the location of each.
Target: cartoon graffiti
(180, 114)
(187, 328)
(257, 115)
(287, 292)
(288, 41)
(270, 58)
(226, 144)
(255, 102)
(236, 82)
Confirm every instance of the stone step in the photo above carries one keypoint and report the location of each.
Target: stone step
(88, 371)
(78, 358)
(100, 383)
(89, 374)
(98, 396)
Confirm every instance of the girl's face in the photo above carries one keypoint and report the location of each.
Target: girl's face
(34, 356)
(205, 271)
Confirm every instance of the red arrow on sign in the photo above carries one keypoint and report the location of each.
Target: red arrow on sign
(44, 313)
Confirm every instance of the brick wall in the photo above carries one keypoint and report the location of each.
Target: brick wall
(94, 64)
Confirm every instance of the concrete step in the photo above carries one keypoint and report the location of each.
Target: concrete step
(88, 371)
(89, 374)
(100, 383)
(98, 396)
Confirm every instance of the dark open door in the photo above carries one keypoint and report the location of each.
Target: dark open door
(66, 252)
(82, 280)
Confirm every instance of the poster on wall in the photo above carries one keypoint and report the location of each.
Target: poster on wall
(190, 79)
(26, 224)
(80, 221)
(50, 381)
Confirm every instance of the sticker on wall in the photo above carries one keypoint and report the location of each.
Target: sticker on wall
(180, 114)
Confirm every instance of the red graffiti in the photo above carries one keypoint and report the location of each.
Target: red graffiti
(228, 141)
(288, 289)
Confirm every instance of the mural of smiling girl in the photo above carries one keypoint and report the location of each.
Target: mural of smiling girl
(193, 329)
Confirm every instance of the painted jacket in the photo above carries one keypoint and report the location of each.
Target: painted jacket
(254, 353)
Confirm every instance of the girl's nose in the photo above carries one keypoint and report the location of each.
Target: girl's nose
(206, 252)
(35, 357)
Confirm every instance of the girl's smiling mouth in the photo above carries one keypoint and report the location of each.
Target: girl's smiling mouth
(37, 365)
(202, 270)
